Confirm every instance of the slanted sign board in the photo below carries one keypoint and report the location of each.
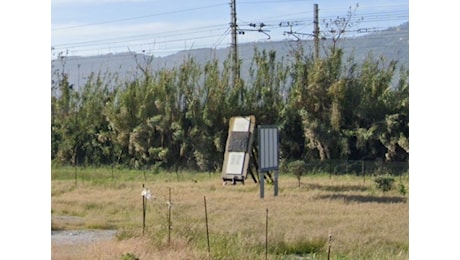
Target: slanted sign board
(238, 148)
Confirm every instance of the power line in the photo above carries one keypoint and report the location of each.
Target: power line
(152, 43)
(137, 18)
(196, 30)
(132, 43)
(270, 27)
(225, 34)
(377, 37)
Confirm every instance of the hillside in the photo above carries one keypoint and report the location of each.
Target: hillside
(392, 43)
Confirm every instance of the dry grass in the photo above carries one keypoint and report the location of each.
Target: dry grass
(140, 247)
(364, 222)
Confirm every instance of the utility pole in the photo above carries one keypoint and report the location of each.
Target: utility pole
(316, 29)
(234, 47)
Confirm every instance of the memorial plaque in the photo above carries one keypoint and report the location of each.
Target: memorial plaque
(238, 149)
(235, 162)
(241, 124)
(238, 142)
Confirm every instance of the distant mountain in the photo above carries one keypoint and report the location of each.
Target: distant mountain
(391, 43)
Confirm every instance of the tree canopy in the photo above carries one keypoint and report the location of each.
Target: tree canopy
(326, 108)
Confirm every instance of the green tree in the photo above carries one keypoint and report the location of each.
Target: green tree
(316, 107)
(293, 141)
(265, 95)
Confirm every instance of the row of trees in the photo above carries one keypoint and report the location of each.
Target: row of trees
(326, 108)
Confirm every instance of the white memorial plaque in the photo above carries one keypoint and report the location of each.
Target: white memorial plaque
(241, 124)
(235, 162)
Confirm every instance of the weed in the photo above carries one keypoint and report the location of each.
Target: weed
(402, 188)
(129, 256)
(384, 183)
(298, 247)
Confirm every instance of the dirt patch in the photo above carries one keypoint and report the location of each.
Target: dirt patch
(77, 244)
(74, 237)
(77, 236)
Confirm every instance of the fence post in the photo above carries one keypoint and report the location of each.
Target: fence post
(266, 233)
(169, 217)
(207, 227)
(329, 246)
(143, 210)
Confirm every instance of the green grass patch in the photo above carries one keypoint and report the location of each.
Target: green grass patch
(103, 226)
(297, 247)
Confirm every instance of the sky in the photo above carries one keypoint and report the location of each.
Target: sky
(160, 27)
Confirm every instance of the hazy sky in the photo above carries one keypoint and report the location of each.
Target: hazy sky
(86, 27)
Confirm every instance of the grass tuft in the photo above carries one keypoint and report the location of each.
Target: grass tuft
(300, 247)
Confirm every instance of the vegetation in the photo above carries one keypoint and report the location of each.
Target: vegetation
(365, 222)
(298, 168)
(384, 183)
(173, 119)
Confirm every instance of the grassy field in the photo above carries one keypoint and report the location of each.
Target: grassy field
(364, 222)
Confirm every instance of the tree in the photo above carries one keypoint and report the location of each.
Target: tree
(267, 89)
(316, 105)
(336, 28)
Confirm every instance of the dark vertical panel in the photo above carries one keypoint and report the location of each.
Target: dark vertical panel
(268, 147)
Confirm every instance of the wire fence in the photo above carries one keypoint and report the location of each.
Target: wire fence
(360, 167)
